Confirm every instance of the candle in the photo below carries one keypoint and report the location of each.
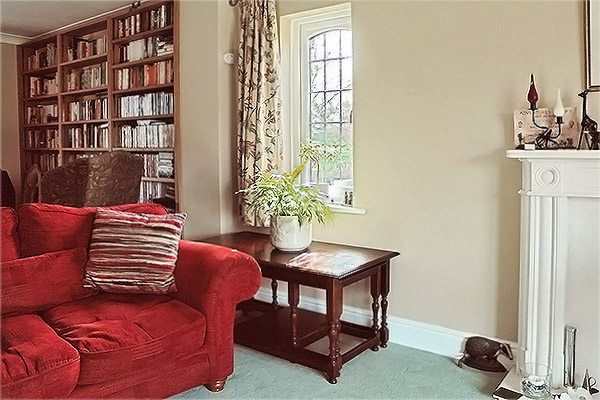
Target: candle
(532, 94)
(559, 109)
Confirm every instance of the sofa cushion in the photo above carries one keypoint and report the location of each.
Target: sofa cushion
(37, 283)
(133, 253)
(49, 227)
(118, 335)
(9, 238)
(36, 362)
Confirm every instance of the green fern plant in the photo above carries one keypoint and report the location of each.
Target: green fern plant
(281, 195)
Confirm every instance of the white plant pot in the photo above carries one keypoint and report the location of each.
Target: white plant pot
(288, 235)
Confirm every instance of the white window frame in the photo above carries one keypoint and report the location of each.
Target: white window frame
(296, 30)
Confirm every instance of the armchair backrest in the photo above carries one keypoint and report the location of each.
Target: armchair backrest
(109, 179)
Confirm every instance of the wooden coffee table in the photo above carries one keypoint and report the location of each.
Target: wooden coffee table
(286, 331)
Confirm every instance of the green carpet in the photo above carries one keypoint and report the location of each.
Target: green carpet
(396, 372)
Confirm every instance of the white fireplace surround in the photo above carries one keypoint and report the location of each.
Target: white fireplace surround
(560, 240)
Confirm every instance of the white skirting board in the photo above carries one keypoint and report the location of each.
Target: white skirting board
(418, 335)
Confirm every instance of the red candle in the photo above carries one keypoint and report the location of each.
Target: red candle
(532, 95)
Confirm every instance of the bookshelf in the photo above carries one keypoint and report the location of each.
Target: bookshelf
(107, 83)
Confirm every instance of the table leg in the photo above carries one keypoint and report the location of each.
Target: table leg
(334, 312)
(375, 293)
(385, 290)
(294, 299)
(274, 292)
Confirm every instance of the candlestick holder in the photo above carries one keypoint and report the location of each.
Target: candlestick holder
(546, 139)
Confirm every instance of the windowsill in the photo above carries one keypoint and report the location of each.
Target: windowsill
(338, 208)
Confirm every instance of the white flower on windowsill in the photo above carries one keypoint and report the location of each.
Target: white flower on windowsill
(576, 394)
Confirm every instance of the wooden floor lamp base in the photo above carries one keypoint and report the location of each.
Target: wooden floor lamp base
(216, 386)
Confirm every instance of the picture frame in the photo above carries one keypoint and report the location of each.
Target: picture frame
(592, 44)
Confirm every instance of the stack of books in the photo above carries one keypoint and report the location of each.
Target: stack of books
(144, 105)
(41, 138)
(42, 86)
(165, 167)
(88, 136)
(147, 134)
(42, 57)
(157, 73)
(145, 21)
(82, 48)
(41, 114)
(158, 165)
(85, 110)
(148, 47)
(87, 78)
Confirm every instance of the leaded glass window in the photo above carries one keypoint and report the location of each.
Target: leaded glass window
(330, 109)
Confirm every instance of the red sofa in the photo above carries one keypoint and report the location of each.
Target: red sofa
(98, 345)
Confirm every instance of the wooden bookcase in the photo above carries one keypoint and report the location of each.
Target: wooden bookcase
(108, 83)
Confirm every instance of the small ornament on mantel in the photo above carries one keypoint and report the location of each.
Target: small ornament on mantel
(545, 128)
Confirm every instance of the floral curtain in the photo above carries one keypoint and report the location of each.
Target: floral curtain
(260, 146)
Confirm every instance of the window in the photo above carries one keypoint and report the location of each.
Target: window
(317, 65)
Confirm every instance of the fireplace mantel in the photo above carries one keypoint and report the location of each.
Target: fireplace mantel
(560, 239)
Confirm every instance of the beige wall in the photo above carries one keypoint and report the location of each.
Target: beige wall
(9, 121)
(207, 32)
(435, 86)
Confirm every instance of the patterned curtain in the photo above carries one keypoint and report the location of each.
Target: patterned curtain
(260, 146)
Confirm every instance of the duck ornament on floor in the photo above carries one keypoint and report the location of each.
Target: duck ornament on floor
(482, 353)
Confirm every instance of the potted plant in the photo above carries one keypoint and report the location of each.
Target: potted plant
(291, 207)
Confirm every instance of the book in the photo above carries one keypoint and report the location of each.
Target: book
(147, 134)
(87, 78)
(42, 86)
(157, 73)
(148, 104)
(144, 48)
(41, 138)
(90, 109)
(78, 48)
(42, 57)
(46, 162)
(41, 114)
(144, 21)
(88, 136)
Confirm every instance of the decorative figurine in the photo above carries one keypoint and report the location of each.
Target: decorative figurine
(589, 127)
(482, 353)
(589, 382)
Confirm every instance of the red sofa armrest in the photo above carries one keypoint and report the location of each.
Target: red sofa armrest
(213, 280)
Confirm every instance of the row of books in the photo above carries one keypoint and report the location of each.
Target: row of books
(46, 161)
(87, 78)
(41, 138)
(75, 156)
(42, 86)
(78, 48)
(159, 165)
(41, 114)
(145, 21)
(157, 73)
(88, 136)
(153, 190)
(148, 47)
(83, 110)
(147, 134)
(42, 57)
(148, 104)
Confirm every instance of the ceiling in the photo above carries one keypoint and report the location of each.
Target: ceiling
(33, 17)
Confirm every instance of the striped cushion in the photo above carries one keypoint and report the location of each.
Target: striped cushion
(133, 253)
